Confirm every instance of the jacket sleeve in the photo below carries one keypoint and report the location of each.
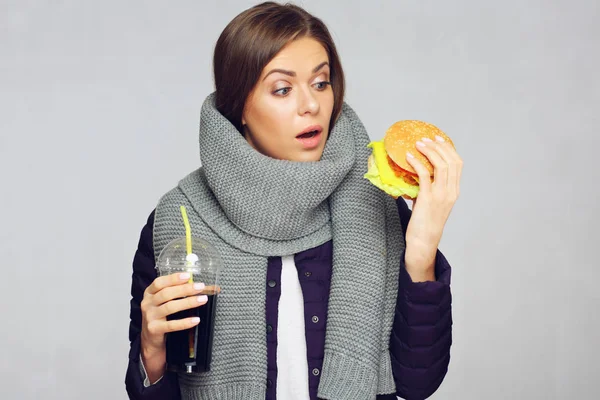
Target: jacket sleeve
(422, 331)
(143, 275)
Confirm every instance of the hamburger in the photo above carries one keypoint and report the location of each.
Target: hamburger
(388, 168)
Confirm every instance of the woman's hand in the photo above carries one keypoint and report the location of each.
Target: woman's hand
(432, 206)
(165, 296)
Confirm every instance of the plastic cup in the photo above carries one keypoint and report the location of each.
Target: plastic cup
(190, 350)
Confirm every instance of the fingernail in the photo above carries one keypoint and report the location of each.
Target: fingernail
(427, 140)
(409, 155)
(195, 320)
(184, 275)
(202, 299)
(439, 139)
(420, 144)
(198, 286)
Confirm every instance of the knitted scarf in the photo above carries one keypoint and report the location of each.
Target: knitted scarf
(251, 207)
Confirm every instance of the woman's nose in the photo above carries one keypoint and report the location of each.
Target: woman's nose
(308, 102)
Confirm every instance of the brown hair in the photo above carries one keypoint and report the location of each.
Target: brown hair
(251, 40)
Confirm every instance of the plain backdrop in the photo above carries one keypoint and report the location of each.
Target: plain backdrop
(99, 111)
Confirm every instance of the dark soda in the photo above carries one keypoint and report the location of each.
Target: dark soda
(190, 350)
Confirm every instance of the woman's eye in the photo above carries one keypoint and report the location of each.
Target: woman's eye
(322, 85)
(283, 91)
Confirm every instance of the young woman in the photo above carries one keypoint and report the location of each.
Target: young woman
(331, 289)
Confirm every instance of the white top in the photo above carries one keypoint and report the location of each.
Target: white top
(292, 363)
(292, 358)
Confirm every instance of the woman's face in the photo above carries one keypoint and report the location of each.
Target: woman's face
(287, 114)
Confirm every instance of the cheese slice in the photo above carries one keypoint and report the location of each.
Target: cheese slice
(381, 174)
(385, 170)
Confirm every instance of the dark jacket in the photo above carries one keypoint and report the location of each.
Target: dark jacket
(419, 344)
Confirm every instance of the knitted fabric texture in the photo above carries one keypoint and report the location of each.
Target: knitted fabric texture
(250, 207)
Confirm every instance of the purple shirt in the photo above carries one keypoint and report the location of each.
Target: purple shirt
(419, 344)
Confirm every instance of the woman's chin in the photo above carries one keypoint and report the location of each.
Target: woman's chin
(307, 156)
(296, 154)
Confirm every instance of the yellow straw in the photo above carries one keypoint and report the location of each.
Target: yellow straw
(188, 230)
(188, 242)
(188, 235)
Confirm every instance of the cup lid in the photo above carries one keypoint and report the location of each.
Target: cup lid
(174, 256)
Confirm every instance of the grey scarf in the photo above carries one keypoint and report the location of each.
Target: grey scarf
(251, 207)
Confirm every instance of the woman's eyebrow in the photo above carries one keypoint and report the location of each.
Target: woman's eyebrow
(292, 73)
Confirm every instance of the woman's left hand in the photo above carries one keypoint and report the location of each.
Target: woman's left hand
(432, 206)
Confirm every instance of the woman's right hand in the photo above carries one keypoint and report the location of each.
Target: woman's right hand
(165, 296)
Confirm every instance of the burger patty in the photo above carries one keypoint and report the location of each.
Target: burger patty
(408, 176)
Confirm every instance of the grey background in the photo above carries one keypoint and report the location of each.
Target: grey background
(99, 110)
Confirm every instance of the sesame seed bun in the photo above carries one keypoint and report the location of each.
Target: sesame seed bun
(403, 136)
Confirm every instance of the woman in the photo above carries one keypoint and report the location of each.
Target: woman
(331, 289)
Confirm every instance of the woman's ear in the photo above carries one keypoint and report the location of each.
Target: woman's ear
(243, 127)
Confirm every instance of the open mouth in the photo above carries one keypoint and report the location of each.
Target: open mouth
(309, 135)
(310, 138)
